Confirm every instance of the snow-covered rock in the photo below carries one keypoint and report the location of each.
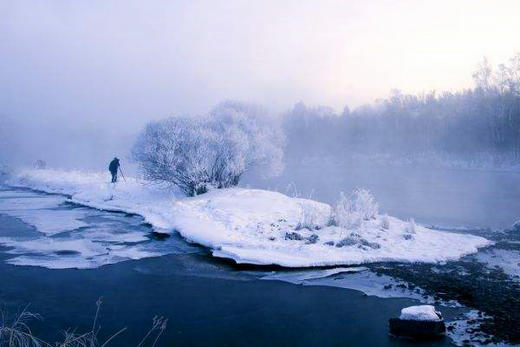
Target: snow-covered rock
(251, 226)
(421, 313)
(418, 322)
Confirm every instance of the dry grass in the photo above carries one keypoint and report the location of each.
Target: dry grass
(17, 332)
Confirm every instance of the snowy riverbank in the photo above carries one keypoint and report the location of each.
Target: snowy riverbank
(257, 226)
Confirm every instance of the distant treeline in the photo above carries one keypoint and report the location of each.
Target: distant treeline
(485, 119)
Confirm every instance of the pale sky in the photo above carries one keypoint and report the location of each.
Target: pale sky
(128, 61)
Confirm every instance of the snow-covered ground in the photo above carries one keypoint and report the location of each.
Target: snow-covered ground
(507, 260)
(257, 226)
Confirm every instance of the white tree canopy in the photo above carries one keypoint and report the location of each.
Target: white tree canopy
(215, 150)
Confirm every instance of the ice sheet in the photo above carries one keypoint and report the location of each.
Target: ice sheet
(357, 278)
(30, 202)
(51, 222)
(72, 237)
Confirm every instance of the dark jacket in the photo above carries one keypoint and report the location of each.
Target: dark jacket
(114, 165)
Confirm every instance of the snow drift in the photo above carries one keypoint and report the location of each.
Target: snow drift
(257, 226)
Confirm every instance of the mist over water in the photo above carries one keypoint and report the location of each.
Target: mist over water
(63, 144)
(457, 198)
(79, 81)
(416, 101)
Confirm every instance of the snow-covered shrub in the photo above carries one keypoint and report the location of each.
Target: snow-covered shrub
(40, 164)
(385, 222)
(351, 211)
(409, 230)
(5, 172)
(411, 227)
(308, 218)
(197, 153)
(345, 214)
(363, 202)
(292, 191)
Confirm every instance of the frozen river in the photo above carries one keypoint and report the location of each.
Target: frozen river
(47, 239)
(61, 257)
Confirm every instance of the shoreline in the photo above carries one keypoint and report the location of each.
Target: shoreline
(226, 268)
(248, 225)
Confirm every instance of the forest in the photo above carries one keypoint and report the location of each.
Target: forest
(480, 123)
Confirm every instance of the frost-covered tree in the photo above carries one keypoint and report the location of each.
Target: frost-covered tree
(483, 75)
(351, 211)
(197, 153)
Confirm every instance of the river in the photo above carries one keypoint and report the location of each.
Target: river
(53, 257)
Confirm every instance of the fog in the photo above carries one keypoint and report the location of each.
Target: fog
(391, 128)
(79, 79)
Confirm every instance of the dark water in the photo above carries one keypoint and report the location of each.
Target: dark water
(207, 302)
(432, 196)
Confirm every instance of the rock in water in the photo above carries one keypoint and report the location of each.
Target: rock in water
(418, 322)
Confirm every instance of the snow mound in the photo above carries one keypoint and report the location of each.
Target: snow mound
(421, 312)
(257, 226)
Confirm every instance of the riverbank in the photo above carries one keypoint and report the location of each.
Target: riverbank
(55, 291)
(258, 226)
(204, 300)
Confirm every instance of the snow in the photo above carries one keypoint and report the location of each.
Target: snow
(507, 260)
(51, 222)
(84, 247)
(466, 330)
(89, 260)
(41, 211)
(257, 226)
(357, 278)
(301, 277)
(88, 248)
(24, 202)
(421, 312)
(110, 235)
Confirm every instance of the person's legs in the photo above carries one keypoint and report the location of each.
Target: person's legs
(114, 177)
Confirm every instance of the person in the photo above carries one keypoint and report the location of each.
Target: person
(113, 167)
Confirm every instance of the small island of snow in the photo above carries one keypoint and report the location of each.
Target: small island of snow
(258, 226)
